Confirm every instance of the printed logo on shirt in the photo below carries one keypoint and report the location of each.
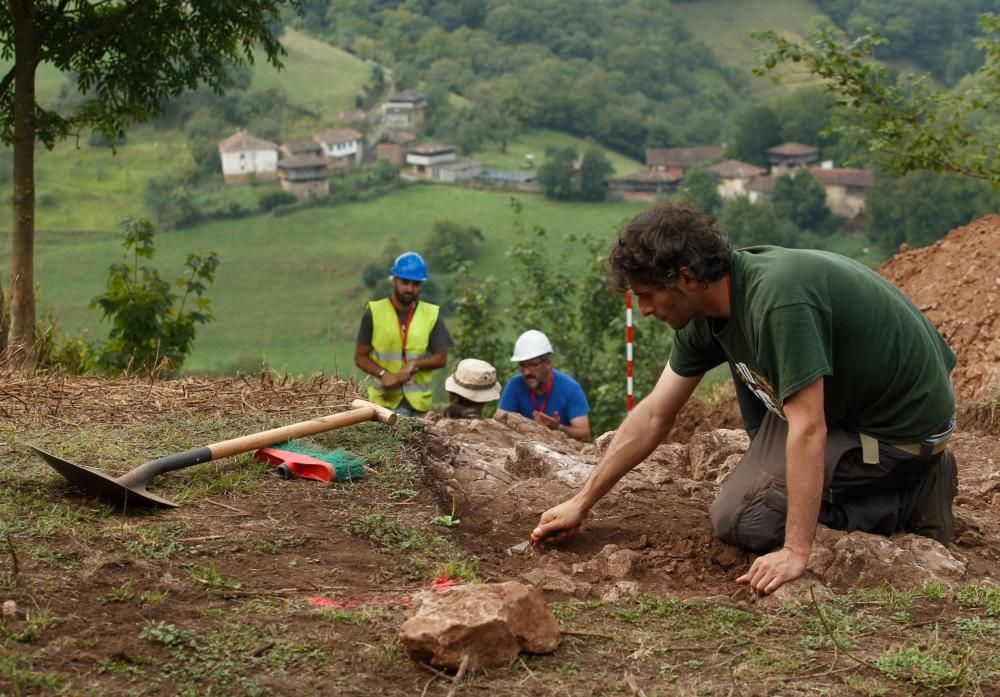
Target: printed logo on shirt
(759, 385)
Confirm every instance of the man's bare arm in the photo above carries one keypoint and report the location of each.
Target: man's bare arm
(578, 428)
(641, 431)
(804, 474)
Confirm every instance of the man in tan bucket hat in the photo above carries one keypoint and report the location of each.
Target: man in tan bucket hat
(471, 387)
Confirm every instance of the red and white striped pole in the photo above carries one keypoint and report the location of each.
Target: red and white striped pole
(628, 346)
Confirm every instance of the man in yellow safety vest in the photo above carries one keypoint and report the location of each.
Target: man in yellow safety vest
(402, 340)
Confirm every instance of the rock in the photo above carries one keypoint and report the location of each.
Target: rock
(534, 460)
(610, 562)
(908, 561)
(555, 581)
(488, 623)
(9, 608)
(619, 591)
(708, 451)
(797, 592)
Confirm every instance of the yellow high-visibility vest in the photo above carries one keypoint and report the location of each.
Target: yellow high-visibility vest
(387, 351)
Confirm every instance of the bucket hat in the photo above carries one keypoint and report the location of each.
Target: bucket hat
(475, 380)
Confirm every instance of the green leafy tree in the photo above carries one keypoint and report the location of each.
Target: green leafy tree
(700, 188)
(556, 174)
(749, 223)
(126, 58)
(450, 243)
(757, 129)
(922, 207)
(801, 199)
(594, 172)
(905, 122)
(152, 327)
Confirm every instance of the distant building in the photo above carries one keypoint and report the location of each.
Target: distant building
(734, 176)
(681, 159)
(644, 186)
(341, 147)
(789, 157)
(426, 159)
(760, 187)
(393, 147)
(301, 146)
(245, 157)
(846, 188)
(405, 110)
(304, 175)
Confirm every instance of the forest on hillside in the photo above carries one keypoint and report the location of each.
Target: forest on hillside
(627, 73)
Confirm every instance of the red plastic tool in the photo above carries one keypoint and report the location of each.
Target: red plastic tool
(296, 465)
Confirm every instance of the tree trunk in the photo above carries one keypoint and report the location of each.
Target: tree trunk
(22, 253)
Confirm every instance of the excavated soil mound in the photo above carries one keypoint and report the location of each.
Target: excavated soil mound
(956, 283)
(651, 533)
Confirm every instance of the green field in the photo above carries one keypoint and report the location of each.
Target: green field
(725, 26)
(289, 289)
(534, 141)
(316, 76)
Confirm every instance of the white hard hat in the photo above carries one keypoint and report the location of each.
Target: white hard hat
(530, 345)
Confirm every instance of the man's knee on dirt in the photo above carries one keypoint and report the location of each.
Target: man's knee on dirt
(756, 527)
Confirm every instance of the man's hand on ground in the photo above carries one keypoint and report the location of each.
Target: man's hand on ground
(769, 572)
(546, 420)
(558, 523)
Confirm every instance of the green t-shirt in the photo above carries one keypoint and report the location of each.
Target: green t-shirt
(798, 314)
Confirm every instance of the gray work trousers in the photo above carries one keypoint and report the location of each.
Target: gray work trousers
(752, 503)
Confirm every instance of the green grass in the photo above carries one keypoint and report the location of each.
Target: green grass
(534, 141)
(725, 26)
(316, 76)
(289, 289)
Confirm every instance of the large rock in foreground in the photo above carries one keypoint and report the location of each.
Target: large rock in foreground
(489, 623)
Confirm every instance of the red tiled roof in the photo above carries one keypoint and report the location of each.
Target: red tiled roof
(653, 175)
(682, 157)
(793, 149)
(339, 135)
(844, 176)
(735, 169)
(432, 149)
(763, 183)
(241, 141)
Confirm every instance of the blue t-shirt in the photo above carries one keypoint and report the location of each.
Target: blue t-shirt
(567, 398)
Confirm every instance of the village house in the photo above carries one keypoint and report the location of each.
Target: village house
(342, 147)
(787, 158)
(680, 160)
(246, 158)
(304, 175)
(429, 158)
(644, 186)
(301, 146)
(393, 147)
(405, 110)
(846, 188)
(734, 177)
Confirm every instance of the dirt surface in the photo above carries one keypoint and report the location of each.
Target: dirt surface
(256, 585)
(956, 283)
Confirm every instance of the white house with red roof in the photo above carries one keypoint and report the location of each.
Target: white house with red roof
(245, 157)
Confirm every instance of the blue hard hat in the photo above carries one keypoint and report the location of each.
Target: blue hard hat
(411, 266)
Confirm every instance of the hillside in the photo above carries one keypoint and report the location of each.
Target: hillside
(725, 26)
(289, 289)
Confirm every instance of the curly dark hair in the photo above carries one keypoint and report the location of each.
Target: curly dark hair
(656, 244)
